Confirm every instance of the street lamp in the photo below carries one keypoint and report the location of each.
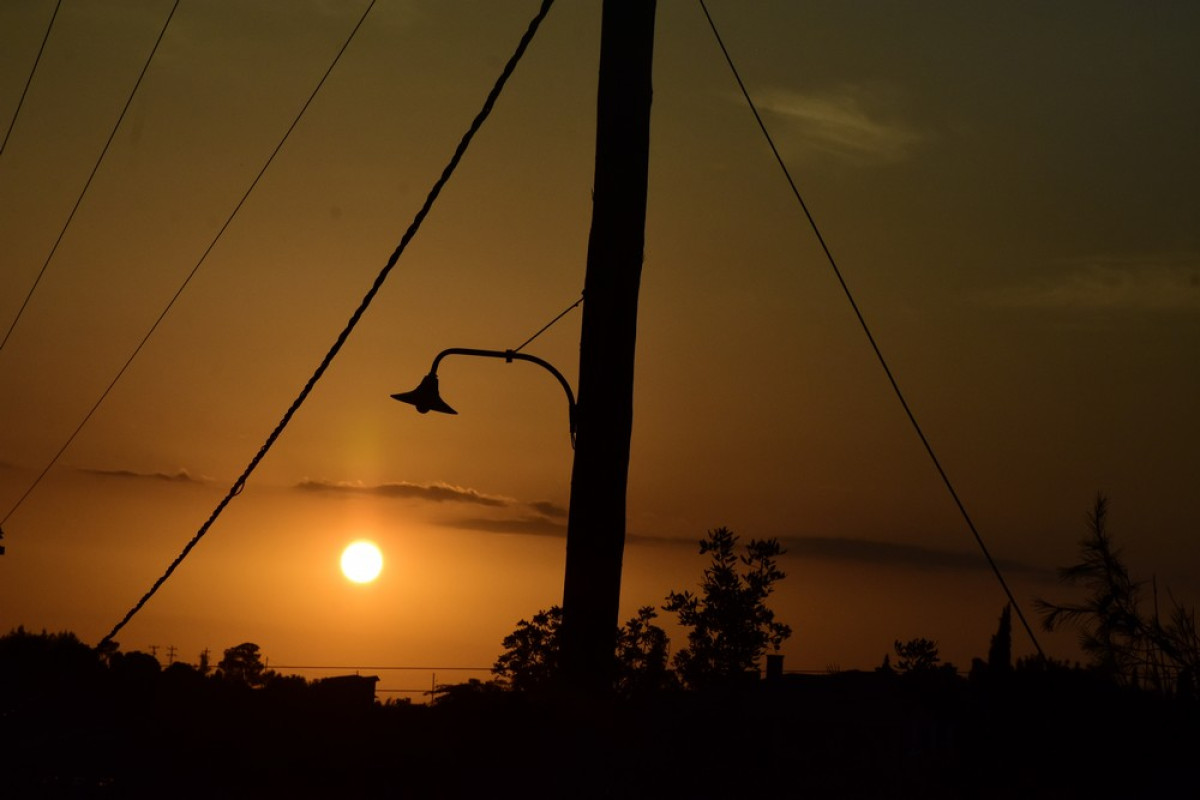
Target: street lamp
(426, 397)
(616, 242)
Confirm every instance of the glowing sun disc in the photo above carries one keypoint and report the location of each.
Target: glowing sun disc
(362, 562)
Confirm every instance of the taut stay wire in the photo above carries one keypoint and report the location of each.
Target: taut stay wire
(874, 345)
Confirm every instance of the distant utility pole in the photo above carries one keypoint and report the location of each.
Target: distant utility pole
(171, 651)
(596, 523)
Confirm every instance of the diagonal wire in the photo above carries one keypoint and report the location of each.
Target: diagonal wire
(413, 227)
(32, 71)
(870, 338)
(228, 220)
(547, 326)
(88, 183)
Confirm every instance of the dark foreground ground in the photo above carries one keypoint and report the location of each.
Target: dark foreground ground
(1048, 734)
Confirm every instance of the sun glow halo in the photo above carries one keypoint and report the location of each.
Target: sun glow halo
(362, 561)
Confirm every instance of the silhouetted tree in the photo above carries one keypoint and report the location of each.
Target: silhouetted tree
(474, 693)
(642, 649)
(1113, 630)
(243, 665)
(204, 667)
(108, 650)
(136, 666)
(999, 659)
(730, 623)
(51, 666)
(916, 655)
(531, 652)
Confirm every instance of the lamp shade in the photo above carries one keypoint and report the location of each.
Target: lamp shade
(426, 397)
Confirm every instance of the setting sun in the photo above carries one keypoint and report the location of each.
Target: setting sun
(362, 561)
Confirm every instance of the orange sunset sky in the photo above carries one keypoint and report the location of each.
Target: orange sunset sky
(1010, 190)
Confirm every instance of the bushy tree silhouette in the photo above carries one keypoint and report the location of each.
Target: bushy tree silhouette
(642, 649)
(531, 653)
(45, 666)
(243, 665)
(729, 621)
(916, 655)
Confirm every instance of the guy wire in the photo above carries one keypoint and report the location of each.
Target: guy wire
(874, 346)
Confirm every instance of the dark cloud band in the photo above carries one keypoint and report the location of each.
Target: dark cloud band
(435, 492)
(181, 476)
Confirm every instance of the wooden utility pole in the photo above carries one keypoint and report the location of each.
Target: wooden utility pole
(596, 524)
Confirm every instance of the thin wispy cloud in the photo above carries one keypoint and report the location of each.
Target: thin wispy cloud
(546, 508)
(179, 476)
(867, 551)
(1149, 284)
(433, 492)
(529, 526)
(873, 551)
(549, 519)
(846, 123)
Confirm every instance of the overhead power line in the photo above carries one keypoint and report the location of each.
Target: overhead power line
(88, 182)
(870, 337)
(187, 280)
(411, 232)
(32, 71)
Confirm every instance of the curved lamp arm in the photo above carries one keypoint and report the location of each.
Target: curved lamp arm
(426, 397)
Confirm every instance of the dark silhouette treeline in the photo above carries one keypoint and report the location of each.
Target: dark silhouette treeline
(79, 723)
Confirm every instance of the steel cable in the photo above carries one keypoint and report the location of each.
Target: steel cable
(413, 227)
(871, 338)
